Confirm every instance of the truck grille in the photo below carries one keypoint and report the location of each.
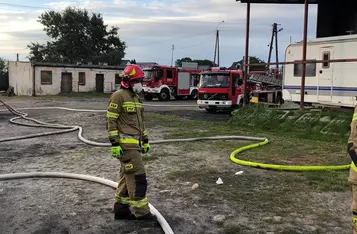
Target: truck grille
(213, 96)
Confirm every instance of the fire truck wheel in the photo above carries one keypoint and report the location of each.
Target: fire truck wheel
(211, 110)
(148, 97)
(193, 95)
(164, 95)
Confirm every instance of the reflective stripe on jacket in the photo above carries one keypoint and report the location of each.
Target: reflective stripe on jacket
(125, 120)
(352, 140)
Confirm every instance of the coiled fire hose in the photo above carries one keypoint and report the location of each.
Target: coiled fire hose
(65, 129)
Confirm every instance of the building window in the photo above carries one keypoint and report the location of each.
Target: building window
(46, 77)
(310, 69)
(81, 78)
(326, 56)
(117, 79)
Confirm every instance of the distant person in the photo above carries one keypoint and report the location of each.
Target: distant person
(128, 137)
(352, 150)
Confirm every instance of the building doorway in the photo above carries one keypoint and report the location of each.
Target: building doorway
(99, 83)
(66, 82)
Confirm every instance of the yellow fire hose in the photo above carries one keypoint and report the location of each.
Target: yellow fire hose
(276, 166)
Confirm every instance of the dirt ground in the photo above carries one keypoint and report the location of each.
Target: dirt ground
(256, 201)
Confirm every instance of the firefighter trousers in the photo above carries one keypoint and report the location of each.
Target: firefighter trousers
(353, 181)
(130, 194)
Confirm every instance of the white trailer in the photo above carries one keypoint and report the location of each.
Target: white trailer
(325, 83)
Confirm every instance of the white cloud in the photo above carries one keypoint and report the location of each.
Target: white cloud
(150, 28)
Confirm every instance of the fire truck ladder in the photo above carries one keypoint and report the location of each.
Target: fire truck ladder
(265, 79)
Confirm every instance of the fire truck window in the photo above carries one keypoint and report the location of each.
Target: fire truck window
(237, 81)
(169, 74)
(196, 80)
(159, 74)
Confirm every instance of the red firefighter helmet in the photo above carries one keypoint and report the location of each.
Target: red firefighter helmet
(131, 72)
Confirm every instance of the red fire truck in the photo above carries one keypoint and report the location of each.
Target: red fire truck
(222, 89)
(165, 82)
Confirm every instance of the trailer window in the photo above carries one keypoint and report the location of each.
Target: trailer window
(326, 56)
(310, 69)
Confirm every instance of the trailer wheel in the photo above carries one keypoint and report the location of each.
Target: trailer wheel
(164, 95)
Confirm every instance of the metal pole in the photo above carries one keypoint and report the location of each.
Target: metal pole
(271, 43)
(276, 47)
(303, 75)
(215, 48)
(245, 74)
(218, 47)
(172, 54)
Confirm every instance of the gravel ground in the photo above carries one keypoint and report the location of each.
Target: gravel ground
(71, 206)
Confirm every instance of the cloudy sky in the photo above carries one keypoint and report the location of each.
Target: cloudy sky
(151, 27)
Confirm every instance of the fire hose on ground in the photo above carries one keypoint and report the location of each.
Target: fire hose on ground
(65, 129)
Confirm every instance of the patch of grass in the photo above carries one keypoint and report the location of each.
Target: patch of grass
(307, 124)
(328, 181)
(251, 192)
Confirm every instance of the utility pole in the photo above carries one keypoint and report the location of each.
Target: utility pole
(274, 34)
(172, 54)
(216, 47)
(17, 57)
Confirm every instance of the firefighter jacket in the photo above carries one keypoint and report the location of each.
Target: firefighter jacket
(352, 141)
(125, 120)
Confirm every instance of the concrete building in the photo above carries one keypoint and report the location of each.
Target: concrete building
(51, 79)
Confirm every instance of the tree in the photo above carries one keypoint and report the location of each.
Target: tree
(4, 74)
(178, 62)
(255, 60)
(201, 62)
(76, 36)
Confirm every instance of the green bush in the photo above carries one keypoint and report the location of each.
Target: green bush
(4, 75)
(303, 123)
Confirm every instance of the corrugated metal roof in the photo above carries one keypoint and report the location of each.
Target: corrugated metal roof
(278, 1)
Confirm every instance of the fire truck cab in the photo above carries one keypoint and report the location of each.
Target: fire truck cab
(165, 82)
(222, 89)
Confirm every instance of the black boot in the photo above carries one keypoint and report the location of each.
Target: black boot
(122, 211)
(148, 217)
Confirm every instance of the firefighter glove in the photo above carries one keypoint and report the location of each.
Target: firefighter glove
(146, 148)
(117, 152)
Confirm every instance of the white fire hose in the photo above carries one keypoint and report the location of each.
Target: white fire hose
(65, 129)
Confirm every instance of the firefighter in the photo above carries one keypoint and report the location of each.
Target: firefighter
(128, 137)
(352, 150)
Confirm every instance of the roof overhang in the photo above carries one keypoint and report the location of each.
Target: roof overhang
(278, 1)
